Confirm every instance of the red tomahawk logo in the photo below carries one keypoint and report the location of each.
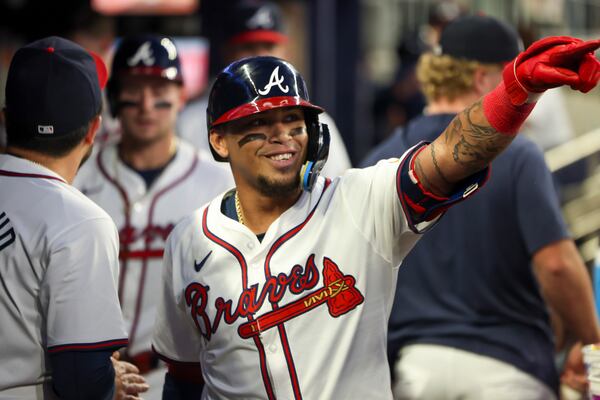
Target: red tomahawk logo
(338, 292)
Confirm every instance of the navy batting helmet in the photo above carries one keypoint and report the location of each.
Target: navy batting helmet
(256, 84)
(147, 55)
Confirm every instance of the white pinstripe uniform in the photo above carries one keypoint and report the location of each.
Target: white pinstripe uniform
(144, 218)
(58, 276)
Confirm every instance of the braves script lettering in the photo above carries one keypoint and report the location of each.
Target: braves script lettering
(130, 234)
(274, 80)
(337, 287)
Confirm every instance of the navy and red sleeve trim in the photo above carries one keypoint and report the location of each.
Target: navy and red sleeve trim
(105, 345)
(420, 205)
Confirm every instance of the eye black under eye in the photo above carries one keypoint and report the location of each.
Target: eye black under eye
(250, 138)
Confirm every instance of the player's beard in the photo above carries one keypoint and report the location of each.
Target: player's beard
(87, 155)
(272, 188)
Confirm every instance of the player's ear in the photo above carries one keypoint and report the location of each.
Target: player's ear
(486, 79)
(93, 129)
(218, 143)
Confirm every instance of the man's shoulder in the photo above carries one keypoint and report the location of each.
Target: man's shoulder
(392, 147)
(188, 228)
(77, 207)
(522, 151)
(207, 168)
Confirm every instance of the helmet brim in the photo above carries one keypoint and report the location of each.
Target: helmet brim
(264, 104)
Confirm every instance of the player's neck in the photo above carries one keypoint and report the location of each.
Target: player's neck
(66, 166)
(258, 211)
(447, 106)
(149, 155)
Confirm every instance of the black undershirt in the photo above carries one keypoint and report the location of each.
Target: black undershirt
(228, 209)
(150, 175)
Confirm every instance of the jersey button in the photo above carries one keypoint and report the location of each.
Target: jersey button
(137, 207)
(273, 348)
(250, 245)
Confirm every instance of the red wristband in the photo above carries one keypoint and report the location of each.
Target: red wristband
(502, 115)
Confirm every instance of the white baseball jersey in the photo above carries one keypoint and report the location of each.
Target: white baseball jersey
(302, 314)
(191, 126)
(145, 217)
(58, 275)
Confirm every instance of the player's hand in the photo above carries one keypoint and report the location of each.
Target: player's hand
(128, 381)
(551, 62)
(574, 373)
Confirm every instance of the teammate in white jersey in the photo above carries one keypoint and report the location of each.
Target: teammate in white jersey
(149, 180)
(281, 288)
(60, 319)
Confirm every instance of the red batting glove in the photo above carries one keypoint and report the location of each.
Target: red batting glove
(552, 62)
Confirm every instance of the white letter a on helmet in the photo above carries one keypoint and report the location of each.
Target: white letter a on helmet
(274, 80)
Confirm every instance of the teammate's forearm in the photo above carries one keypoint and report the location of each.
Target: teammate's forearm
(566, 286)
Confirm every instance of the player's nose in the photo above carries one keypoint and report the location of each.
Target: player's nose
(280, 132)
(147, 100)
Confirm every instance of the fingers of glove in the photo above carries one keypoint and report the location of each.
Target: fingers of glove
(547, 43)
(542, 77)
(589, 73)
(573, 52)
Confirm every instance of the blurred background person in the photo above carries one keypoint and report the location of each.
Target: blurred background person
(147, 181)
(396, 104)
(254, 28)
(466, 329)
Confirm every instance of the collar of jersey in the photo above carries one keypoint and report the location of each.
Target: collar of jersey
(20, 165)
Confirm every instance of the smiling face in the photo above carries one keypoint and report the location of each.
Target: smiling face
(265, 150)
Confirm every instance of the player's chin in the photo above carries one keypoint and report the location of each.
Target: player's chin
(281, 186)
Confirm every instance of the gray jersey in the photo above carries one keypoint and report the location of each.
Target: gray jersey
(58, 276)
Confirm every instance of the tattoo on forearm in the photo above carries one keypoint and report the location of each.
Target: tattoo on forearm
(478, 143)
(437, 166)
(479, 131)
(453, 130)
(425, 181)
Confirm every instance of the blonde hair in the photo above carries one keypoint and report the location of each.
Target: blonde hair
(447, 77)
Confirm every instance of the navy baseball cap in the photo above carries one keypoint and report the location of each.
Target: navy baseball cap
(53, 87)
(480, 38)
(251, 21)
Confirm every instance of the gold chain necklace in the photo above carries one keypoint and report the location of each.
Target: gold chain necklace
(238, 209)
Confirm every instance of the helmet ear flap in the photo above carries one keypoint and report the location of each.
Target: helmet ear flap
(317, 152)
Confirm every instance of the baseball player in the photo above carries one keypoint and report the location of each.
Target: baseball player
(59, 308)
(148, 180)
(281, 288)
(255, 28)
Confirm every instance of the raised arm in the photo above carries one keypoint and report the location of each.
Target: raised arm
(483, 130)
